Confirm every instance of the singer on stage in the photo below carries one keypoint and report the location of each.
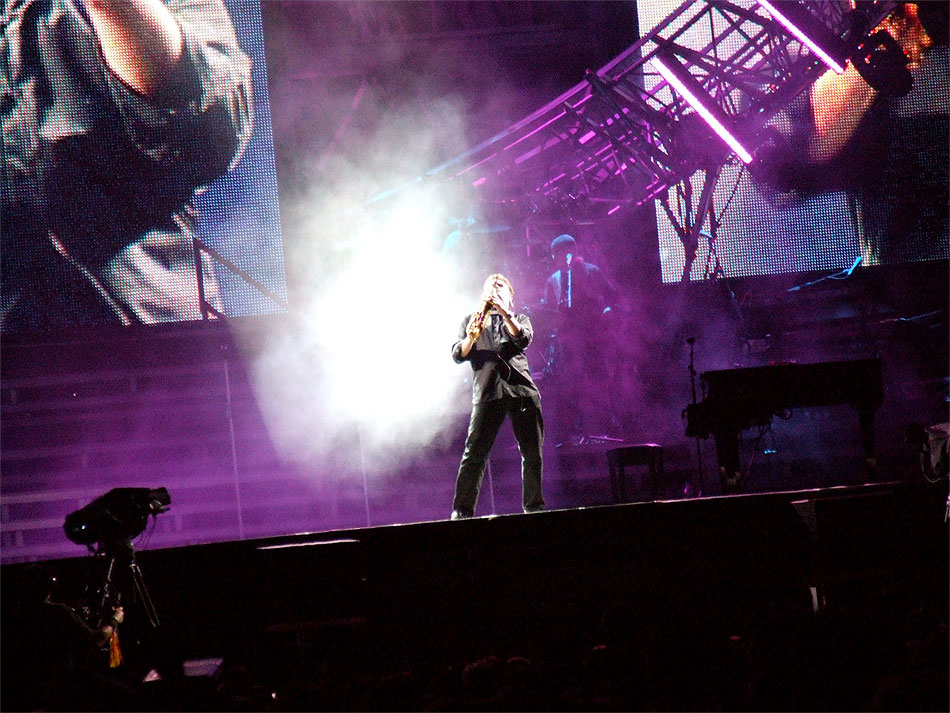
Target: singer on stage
(493, 341)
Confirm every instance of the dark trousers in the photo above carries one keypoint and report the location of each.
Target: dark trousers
(486, 420)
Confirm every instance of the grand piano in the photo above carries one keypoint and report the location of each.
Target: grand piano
(737, 399)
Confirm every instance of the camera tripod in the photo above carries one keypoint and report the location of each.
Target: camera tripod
(119, 555)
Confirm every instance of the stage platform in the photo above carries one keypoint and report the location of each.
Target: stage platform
(538, 582)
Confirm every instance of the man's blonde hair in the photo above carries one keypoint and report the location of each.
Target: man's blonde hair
(490, 280)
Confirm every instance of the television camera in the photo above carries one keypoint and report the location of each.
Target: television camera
(107, 527)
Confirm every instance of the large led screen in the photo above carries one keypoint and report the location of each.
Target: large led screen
(138, 177)
(857, 177)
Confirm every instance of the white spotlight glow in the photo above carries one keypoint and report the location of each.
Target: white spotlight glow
(386, 324)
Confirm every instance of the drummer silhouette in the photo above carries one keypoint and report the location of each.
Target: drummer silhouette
(582, 299)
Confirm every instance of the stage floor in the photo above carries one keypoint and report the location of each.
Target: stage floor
(495, 581)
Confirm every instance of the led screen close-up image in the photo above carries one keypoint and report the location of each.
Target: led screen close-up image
(138, 178)
(848, 174)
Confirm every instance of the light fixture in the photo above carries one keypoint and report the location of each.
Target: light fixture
(672, 71)
(803, 25)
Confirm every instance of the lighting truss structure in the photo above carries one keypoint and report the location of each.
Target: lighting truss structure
(623, 136)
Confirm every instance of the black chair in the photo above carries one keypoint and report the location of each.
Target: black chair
(649, 455)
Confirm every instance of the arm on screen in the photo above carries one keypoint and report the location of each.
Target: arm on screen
(839, 102)
(185, 94)
(140, 39)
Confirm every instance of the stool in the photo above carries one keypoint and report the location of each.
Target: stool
(644, 454)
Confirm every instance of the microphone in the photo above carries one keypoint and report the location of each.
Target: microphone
(482, 316)
(486, 308)
(569, 256)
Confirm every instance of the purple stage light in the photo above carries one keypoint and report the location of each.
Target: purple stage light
(690, 94)
(784, 16)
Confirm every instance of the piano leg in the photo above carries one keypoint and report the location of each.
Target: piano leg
(866, 419)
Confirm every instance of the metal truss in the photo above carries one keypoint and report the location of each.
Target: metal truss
(624, 137)
(208, 310)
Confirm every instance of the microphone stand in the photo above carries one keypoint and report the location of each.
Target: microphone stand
(569, 305)
(692, 384)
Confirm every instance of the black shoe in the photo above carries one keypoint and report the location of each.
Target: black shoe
(456, 515)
